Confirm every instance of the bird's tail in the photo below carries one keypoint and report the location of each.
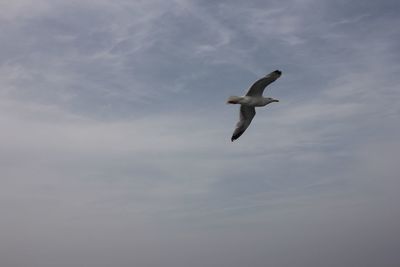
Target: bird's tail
(233, 100)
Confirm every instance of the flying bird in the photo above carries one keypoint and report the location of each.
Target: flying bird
(252, 99)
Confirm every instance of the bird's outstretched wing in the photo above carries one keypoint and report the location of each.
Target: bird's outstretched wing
(246, 115)
(258, 87)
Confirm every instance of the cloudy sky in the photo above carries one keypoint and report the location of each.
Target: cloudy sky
(115, 137)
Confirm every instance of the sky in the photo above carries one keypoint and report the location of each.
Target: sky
(115, 137)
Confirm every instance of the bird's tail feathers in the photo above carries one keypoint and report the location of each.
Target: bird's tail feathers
(233, 100)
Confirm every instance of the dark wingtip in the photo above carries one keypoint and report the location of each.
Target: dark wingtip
(278, 72)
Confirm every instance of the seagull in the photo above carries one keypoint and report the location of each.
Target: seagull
(252, 99)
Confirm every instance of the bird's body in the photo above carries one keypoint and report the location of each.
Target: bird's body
(252, 99)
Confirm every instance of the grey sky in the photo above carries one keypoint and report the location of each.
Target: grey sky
(115, 138)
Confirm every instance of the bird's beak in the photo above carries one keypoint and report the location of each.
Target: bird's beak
(275, 100)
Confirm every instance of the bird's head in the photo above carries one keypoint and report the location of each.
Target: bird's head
(270, 100)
